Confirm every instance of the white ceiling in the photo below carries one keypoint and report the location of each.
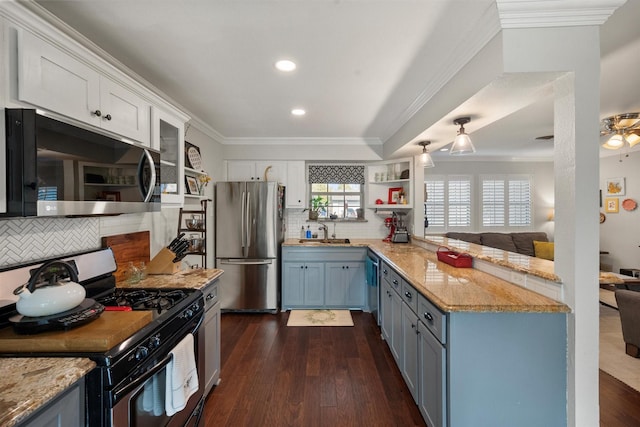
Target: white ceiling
(361, 64)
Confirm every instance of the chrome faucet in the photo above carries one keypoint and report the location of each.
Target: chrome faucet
(325, 231)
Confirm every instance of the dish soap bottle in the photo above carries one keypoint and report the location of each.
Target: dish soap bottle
(308, 232)
(302, 233)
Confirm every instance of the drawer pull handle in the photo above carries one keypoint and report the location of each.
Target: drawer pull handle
(428, 316)
(408, 294)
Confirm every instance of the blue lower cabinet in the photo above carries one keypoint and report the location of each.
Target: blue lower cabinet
(323, 278)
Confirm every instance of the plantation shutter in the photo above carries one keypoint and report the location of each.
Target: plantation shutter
(459, 201)
(435, 201)
(493, 202)
(519, 202)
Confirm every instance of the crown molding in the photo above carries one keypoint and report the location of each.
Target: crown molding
(206, 129)
(555, 13)
(486, 27)
(303, 141)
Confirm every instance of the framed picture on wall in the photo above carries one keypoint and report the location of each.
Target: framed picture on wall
(611, 205)
(615, 187)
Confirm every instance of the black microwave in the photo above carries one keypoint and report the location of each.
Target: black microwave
(57, 169)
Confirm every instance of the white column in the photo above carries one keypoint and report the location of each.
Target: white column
(574, 54)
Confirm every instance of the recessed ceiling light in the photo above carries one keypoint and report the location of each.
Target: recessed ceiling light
(298, 112)
(444, 149)
(285, 65)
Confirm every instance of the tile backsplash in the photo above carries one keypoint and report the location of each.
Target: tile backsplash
(372, 228)
(31, 239)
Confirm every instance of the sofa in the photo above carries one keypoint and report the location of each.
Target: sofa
(520, 242)
(629, 307)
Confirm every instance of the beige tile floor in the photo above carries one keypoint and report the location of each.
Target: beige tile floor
(613, 359)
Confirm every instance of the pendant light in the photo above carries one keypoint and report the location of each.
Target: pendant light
(462, 144)
(425, 158)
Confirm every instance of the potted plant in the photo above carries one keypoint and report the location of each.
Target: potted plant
(317, 205)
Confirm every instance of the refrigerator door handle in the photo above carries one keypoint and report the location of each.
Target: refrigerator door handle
(242, 215)
(245, 262)
(248, 224)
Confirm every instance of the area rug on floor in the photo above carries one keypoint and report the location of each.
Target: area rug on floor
(608, 298)
(320, 318)
(613, 359)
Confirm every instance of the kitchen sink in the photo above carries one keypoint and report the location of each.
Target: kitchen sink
(326, 242)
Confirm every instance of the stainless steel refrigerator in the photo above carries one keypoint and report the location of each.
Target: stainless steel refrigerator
(249, 231)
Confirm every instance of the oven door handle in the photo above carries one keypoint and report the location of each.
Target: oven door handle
(139, 382)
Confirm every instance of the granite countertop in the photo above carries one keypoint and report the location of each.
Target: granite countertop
(452, 289)
(190, 279)
(525, 264)
(20, 378)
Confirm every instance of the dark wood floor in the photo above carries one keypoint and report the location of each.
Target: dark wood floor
(619, 403)
(273, 375)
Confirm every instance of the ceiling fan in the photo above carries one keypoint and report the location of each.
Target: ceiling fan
(623, 128)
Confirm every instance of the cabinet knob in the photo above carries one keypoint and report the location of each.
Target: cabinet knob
(408, 294)
(305, 267)
(302, 266)
(97, 113)
(107, 117)
(428, 316)
(395, 282)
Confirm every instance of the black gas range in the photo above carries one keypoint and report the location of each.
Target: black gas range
(117, 389)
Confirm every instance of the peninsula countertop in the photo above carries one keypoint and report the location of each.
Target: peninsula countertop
(451, 289)
(28, 383)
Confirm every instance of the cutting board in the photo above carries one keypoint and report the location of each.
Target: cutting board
(101, 334)
(130, 247)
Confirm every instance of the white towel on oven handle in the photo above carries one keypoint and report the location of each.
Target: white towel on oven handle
(182, 376)
(152, 396)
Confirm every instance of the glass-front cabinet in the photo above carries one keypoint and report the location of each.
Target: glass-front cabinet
(168, 136)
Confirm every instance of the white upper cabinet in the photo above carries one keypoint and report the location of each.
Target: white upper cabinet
(291, 174)
(251, 170)
(54, 80)
(296, 185)
(123, 112)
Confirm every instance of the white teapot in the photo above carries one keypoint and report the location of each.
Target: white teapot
(49, 297)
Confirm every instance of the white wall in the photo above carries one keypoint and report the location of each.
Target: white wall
(619, 233)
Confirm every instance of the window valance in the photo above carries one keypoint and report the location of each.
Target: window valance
(336, 174)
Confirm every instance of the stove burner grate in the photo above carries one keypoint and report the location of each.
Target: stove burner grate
(144, 299)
